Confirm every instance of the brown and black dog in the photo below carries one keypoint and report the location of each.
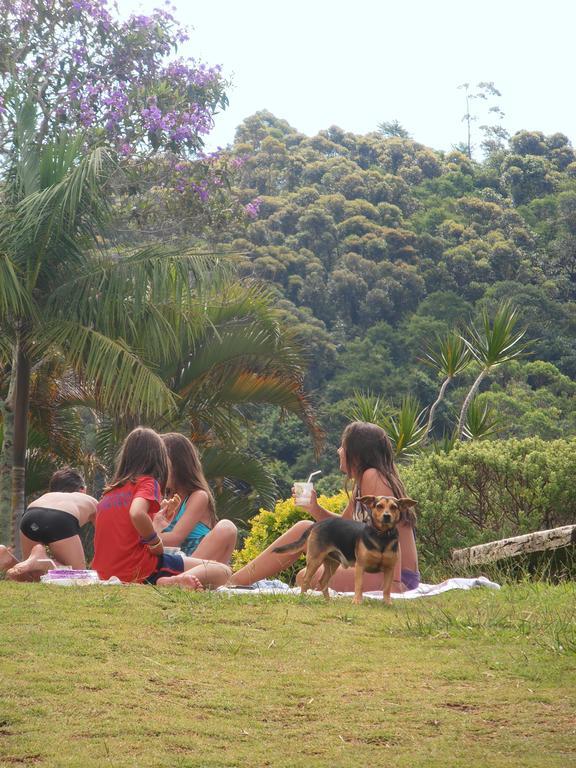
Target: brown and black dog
(371, 547)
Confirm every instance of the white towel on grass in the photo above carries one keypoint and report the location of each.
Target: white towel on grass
(277, 587)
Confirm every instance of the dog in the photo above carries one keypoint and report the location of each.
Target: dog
(370, 547)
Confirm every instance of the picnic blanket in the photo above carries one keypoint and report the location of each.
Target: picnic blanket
(277, 587)
(67, 577)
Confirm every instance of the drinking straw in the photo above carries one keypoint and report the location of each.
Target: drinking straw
(313, 474)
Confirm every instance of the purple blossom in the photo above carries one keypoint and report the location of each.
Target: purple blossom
(99, 70)
(238, 161)
(253, 207)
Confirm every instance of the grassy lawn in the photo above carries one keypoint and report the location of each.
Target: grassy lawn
(141, 677)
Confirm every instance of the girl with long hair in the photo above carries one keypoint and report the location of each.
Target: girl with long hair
(367, 459)
(195, 529)
(126, 542)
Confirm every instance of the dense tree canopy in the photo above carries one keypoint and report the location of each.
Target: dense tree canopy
(377, 243)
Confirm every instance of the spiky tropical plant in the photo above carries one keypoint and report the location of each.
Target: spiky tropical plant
(491, 344)
(482, 421)
(406, 426)
(449, 357)
(368, 407)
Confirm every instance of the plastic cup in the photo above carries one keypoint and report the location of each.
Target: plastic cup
(303, 493)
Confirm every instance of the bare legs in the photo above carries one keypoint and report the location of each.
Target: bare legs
(7, 559)
(36, 561)
(269, 563)
(208, 567)
(219, 543)
(36, 564)
(69, 552)
(197, 575)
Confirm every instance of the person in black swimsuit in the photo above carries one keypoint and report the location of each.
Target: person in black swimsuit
(54, 520)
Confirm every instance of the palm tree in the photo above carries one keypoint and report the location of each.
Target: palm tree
(156, 334)
(233, 355)
(62, 294)
(494, 343)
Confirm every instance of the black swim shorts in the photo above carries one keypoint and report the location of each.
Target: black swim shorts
(47, 525)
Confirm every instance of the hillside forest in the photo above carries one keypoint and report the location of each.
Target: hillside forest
(375, 246)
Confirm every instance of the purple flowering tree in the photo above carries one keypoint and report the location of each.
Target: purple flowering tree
(118, 81)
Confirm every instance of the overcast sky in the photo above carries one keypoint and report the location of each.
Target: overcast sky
(355, 63)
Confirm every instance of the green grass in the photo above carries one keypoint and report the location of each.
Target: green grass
(141, 677)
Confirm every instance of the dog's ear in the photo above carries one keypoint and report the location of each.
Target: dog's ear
(370, 501)
(405, 504)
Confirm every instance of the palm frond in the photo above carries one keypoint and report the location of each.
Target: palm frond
(74, 205)
(252, 388)
(15, 300)
(241, 483)
(45, 231)
(238, 349)
(149, 294)
(123, 383)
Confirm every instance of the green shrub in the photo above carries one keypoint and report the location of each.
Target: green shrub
(479, 491)
(483, 491)
(266, 527)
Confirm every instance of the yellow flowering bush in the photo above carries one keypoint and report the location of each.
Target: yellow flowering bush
(266, 527)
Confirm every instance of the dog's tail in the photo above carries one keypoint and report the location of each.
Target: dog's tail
(295, 545)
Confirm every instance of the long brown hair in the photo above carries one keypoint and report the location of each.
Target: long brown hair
(367, 446)
(186, 469)
(141, 453)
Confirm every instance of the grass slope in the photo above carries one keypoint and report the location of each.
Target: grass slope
(142, 677)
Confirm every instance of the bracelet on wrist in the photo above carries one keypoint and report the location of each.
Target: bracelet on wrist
(155, 544)
(148, 539)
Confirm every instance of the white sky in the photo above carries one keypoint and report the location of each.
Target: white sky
(355, 63)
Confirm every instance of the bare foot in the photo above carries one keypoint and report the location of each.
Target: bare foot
(7, 559)
(183, 580)
(31, 569)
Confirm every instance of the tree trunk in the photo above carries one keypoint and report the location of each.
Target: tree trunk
(6, 461)
(436, 404)
(469, 397)
(538, 541)
(21, 402)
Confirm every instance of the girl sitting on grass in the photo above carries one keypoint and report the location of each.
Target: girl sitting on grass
(367, 459)
(195, 528)
(126, 543)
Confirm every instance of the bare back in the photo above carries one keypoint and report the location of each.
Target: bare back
(82, 506)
